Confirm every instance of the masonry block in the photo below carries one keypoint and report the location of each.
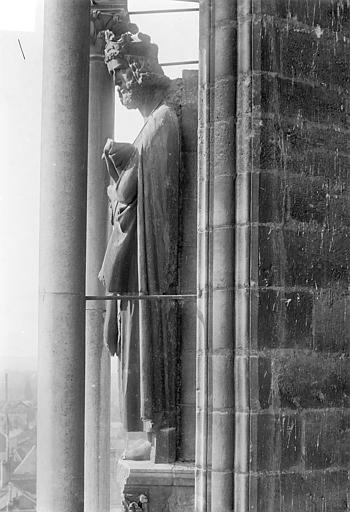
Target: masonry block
(278, 442)
(189, 127)
(265, 376)
(310, 54)
(329, 14)
(270, 320)
(332, 321)
(327, 439)
(300, 136)
(326, 163)
(308, 199)
(224, 156)
(299, 319)
(271, 252)
(271, 197)
(296, 492)
(308, 379)
(303, 100)
(270, 149)
(317, 257)
(225, 50)
(189, 175)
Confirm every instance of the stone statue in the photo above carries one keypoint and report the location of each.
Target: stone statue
(141, 256)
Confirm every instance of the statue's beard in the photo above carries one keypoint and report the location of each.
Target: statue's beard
(132, 96)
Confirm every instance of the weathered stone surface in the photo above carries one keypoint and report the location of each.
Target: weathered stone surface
(304, 53)
(317, 257)
(295, 492)
(327, 163)
(285, 319)
(278, 442)
(271, 256)
(298, 319)
(188, 114)
(332, 321)
(330, 14)
(271, 198)
(303, 99)
(269, 318)
(291, 144)
(304, 256)
(312, 380)
(168, 488)
(327, 439)
(265, 376)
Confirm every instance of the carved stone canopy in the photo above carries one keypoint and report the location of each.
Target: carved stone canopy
(112, 16)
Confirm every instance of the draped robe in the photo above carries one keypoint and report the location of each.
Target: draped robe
(142, 257)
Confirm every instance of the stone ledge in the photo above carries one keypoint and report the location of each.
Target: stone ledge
(148, 473)
(168, 487)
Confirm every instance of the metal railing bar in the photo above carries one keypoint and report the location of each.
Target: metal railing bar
(180, 63)
(163, 11)
(131, 296)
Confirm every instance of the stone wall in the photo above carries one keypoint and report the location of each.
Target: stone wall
(300, 309)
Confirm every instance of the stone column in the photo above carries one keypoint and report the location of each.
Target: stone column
(98, 383)
(216, 221)
(112, 16)
(60, 474)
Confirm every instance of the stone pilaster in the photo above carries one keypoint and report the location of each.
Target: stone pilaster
(60, 475)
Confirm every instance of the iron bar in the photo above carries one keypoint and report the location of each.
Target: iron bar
(131, 296)
(180, 63)
(163, 11)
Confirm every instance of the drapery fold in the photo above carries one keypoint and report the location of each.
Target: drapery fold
(142, 256)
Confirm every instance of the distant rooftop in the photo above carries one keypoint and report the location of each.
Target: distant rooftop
(28, 465)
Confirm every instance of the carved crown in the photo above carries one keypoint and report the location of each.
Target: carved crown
(128, 46)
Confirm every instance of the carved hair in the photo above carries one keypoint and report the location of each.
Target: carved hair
(146, 73)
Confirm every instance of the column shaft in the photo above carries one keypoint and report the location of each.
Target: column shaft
(216, 257)
(98, 384)
(60, 471)
(244, 255)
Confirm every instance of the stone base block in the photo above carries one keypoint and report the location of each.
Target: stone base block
(156, 487)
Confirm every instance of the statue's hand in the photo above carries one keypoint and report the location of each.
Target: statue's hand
(118, 152)
(110, 146)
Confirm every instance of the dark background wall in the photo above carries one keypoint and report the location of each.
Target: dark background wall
(187, 108)
(300, 416)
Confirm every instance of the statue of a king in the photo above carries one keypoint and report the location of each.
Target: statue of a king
(142, 256)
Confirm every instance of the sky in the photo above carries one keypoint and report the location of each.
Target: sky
(20, 132)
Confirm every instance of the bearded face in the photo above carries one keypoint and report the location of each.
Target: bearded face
(130, 92)
(131, 97)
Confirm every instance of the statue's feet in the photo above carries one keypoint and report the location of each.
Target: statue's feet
(140, 450)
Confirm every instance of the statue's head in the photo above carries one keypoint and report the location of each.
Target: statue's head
(133, 62)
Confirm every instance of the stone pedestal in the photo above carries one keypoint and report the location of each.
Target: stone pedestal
(157, 487)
